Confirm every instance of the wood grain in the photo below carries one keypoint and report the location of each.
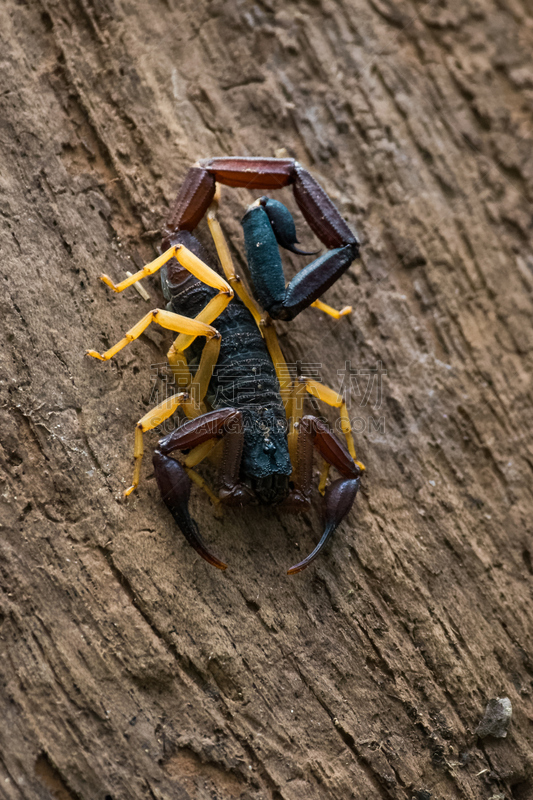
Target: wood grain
(130, 668)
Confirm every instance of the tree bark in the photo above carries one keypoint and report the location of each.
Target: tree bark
(130, 667)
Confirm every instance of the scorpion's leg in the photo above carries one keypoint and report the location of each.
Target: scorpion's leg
(310, 431)
(167, 319)
(226, 261)
(196, 267)
(340, 494)
(165, 410)
(332, 312)
(201, 380)
(335, 400)
(152, 419)
(174, 482)
(188, 330)
(182, 325)
(331, 398)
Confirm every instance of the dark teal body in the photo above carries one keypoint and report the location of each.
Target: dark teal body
(243, 378)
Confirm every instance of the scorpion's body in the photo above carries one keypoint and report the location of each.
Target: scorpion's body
(244, 378)
(239, 369)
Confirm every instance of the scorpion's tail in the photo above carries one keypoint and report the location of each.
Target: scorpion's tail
(175, 487)
(338, 501)
(283, 226)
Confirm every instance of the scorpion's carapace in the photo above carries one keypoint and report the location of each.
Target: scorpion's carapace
(267, 446)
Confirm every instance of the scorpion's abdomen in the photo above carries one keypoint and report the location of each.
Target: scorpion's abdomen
(244, 378)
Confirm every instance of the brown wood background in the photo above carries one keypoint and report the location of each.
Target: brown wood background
(129, 667)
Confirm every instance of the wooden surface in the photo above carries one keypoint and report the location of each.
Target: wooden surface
(129, 667)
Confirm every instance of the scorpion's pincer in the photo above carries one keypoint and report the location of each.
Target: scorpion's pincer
(175, 487)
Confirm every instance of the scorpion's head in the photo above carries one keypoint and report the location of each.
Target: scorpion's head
(265, 461)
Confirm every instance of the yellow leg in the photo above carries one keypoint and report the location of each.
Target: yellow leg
(180, 370)
(191, 403)
(167, 319)
(323, 477)
(165, 410)
(294, 411)
(188, 330)
(187, 259)
(199, 481)
(200, 382)
(188, 333)
(216, 305)
(149, 269)
(330, 310)
(198, 453)
(213, 309)
(151, 420)
(227, 264)
(280, 365)
(335, 400)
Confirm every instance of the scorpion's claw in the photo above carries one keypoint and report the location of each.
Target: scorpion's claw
(175, 487)
(283, 226)
(338, 501)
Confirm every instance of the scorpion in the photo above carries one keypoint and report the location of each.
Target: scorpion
(266, 443)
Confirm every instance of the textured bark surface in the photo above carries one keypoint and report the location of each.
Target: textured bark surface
(132, 669)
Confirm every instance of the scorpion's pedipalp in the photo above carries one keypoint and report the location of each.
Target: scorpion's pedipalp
(322, 216)
(199, 430)
(174, 483)
(335, 400)
(193, 200)
(223, 422)
(251, 173)
(338, 501)
(283, 226)
(175, 487)
(339, 496)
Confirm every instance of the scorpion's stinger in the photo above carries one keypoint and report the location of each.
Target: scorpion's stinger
(266, 269)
